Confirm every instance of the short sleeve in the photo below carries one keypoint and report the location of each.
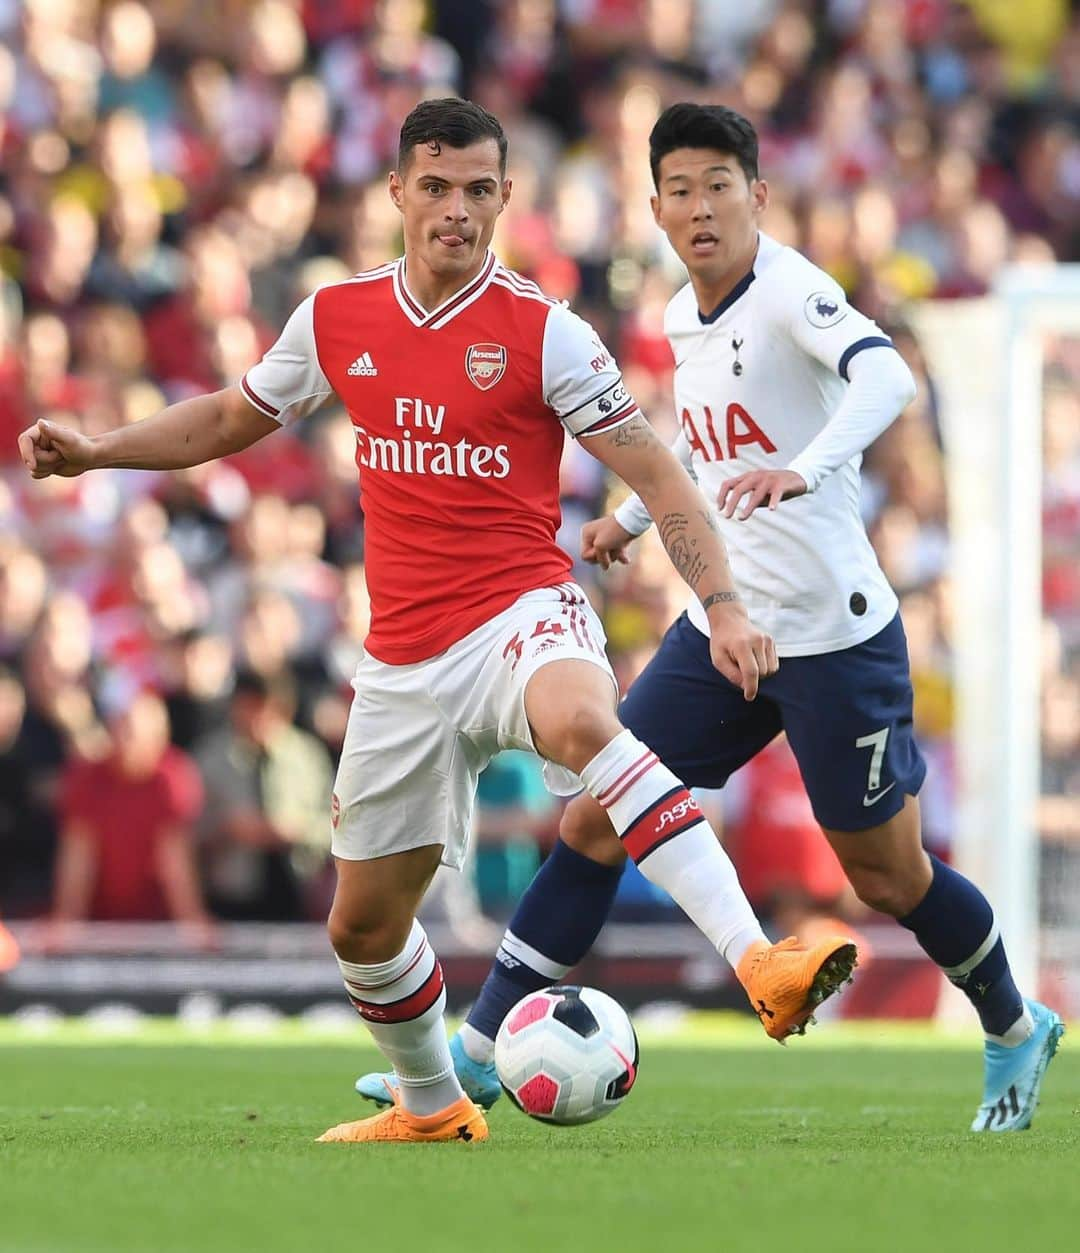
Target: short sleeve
(288, 382)
(819, 319)
(582, 382)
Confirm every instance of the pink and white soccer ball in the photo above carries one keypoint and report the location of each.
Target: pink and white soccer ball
(567, 1055)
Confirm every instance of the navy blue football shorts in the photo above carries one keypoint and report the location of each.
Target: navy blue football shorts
(847, 716)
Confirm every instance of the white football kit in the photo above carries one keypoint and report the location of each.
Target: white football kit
(762, 384)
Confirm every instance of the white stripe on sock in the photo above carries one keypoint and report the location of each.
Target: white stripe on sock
(517, 950)
(980, 954)
(393, 980)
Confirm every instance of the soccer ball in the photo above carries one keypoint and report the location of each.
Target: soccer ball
(567, 1055)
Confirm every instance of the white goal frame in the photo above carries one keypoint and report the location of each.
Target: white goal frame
(986, 360)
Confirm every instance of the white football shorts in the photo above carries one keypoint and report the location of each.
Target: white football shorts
(420, 734)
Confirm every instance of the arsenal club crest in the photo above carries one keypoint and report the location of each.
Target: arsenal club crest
(485, 364)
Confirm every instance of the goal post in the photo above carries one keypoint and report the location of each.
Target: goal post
(986, 359)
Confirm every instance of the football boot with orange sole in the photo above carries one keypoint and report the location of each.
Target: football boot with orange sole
(786, 982)
(461, 1121)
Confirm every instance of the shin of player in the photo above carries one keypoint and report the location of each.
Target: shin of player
(660, 824)
(391, 973)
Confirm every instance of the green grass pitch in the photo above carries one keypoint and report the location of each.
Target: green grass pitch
(853, 1139)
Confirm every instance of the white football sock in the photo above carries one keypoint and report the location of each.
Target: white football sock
(402, 1002)
(663, 829)
(476, 1044)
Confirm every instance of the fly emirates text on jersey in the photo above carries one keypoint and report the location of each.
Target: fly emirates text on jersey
(411, 454)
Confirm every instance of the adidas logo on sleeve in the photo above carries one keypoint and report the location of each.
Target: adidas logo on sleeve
(363, 366)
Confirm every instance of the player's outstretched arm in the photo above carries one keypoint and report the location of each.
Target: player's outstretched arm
(188, 433)
(740, 651)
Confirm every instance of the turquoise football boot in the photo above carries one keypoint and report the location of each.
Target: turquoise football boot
(1013, 1076)
(479, 1079)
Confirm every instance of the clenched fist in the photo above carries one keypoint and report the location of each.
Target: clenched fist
(47, 448)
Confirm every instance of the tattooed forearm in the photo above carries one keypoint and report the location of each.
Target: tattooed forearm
(671, 526)
(682, 548)
(692, 566)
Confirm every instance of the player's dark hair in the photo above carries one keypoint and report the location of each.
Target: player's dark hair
(704, 126)
(456, 123)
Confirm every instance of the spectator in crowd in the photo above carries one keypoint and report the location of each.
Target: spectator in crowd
(133, 266)
(198, 677)
(265, 830)
(27, 823)
(127, 822)
(24, 584)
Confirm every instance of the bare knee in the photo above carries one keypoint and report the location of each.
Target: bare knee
(376, 901)
(886, 865)
(586, 829)
(366, 936)
(892, 890)
(582, 730)
(571, 710)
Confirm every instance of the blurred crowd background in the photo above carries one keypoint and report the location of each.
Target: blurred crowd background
(176, 649)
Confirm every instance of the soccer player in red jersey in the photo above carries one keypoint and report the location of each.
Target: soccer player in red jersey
(461, 378)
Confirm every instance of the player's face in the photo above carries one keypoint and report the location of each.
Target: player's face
(709, 210)
(449, 201)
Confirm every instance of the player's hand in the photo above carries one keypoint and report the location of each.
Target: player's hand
(758, 487)
(48, 448)
(604, 541)
(742, 652)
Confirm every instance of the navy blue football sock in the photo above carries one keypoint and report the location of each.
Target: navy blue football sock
(955, 925)
(553, 927)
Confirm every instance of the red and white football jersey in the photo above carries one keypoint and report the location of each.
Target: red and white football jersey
(459, 416)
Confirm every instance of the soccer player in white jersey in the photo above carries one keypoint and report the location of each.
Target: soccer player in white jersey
(460, 379)
(779, 386)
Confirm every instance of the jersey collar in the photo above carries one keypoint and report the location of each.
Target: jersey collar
(738, 290)
(451, 307)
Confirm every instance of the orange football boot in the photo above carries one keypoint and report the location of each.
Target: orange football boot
(786, 982)
(461, 1121)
